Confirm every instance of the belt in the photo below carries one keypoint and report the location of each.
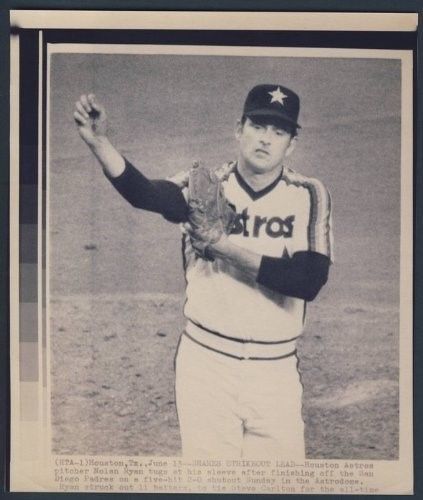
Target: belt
(239, 348)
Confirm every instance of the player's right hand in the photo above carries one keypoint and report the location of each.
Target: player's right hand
(90, 118)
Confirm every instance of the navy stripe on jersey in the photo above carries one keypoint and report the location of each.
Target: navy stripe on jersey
(255, 195)
(312, 218)
(184, 252)
(304, 311)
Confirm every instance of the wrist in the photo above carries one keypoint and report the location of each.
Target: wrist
(98, 143)
(245, 260)
(220, 249)
(111, 160)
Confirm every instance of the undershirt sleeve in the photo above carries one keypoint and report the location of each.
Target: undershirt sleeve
(301, 276)
(160, 196)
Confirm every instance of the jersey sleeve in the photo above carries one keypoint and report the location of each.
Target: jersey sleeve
(303, 271)
(319, 231)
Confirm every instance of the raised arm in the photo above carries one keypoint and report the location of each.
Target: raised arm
(91, 120)
(160, 196)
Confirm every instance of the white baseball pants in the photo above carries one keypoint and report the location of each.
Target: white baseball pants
(232, 408)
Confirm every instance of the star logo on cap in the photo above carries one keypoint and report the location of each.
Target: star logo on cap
(277, 96)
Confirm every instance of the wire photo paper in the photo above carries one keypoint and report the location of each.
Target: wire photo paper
(148, 355)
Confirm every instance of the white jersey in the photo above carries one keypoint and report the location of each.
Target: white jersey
(290, 215)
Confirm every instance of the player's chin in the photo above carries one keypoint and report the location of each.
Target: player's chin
(263, 164)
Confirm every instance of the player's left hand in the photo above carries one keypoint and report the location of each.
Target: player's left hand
(209, 213)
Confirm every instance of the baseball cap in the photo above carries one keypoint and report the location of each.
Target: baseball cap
(273, 101)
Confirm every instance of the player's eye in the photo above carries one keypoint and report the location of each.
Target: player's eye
(281, 132)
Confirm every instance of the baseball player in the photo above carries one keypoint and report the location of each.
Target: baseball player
(238, 389)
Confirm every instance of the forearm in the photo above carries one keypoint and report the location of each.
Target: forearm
(161, 196)
(241, 258)
(109, 157)
(301, 276)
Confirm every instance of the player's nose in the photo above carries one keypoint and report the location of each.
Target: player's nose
(266, 136)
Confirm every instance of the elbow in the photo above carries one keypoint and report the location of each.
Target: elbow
(315, 273)
(175, 218)
(311, 293)
(134, 203)
(313, 286)
(307, 288)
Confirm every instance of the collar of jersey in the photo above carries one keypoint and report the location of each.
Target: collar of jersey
(255, 195)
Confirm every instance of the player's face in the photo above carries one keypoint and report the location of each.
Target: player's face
(263, 144)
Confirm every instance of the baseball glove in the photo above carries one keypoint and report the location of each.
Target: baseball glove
(209, 213)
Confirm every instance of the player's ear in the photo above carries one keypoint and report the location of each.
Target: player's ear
(291, 146)
(238, 129)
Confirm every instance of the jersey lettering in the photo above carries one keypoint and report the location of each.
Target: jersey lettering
(275, 227)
